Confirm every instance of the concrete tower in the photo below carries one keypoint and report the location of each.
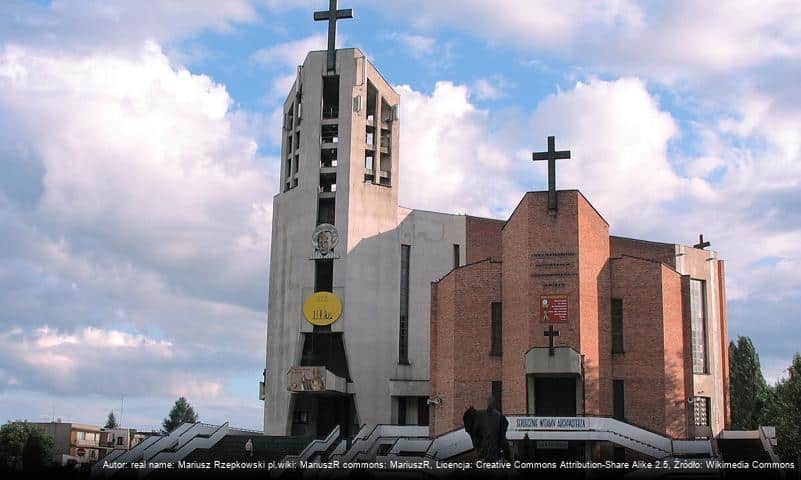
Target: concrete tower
(339, 167)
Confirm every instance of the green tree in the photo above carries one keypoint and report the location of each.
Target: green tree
(24, 445)
(111, 420)
(37, 450)
(182, 412)
(788, 413)
(749, 393)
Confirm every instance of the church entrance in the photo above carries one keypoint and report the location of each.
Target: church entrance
(555, 396)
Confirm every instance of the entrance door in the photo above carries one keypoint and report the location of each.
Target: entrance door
(554, 397)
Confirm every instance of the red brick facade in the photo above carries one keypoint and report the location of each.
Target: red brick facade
(537, 253)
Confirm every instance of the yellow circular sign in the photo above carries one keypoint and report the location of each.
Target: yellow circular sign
(322, 308)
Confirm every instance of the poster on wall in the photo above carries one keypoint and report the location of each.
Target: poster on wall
(553, 308)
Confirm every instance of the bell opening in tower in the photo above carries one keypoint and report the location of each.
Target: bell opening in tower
(330, 97)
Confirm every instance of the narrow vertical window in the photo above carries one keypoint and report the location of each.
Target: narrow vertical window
(618, 399)
(401, 410)
(330, 96)
(617, 325)
(456, 255)
(496, 329)
(422, 411)
(698, 323)
(403, 327)
(497, 394)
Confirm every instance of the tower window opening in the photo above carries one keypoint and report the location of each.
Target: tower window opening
(328, 182)
(329, 134)
(288, 123)
(331, 96)
(370, 137)
(386, 112)
(372, 97)
(328, 157)
(326, 211)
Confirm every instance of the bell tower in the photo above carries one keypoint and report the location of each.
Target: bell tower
(338, 192)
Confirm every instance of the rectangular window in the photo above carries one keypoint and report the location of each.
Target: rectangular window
(401, 410)
(403, 327)
(119, 440)
(496, 327)
(617, 325)
(497, 394)
(456, 255)
(422, 411)
(698, 323)
(330, 96)
(329, 134)
(323, 276)
(325, 211)
(618, 400)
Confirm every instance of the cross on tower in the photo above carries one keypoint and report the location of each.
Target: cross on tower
(332, 15)
(551, 156)
(551, 333)
(701, 243)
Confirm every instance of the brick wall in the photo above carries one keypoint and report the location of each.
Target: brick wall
(483, 238)
(462, 368)
(661, 252)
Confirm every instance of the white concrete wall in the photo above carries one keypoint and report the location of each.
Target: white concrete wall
(367, 276)
(703, 265)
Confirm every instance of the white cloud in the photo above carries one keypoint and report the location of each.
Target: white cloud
(117, 25)
(145, 156)
(141, 233)
(417, 46)
(490, 88)
(446, 148)
(292, 53)
(682, 39)
(618, 136)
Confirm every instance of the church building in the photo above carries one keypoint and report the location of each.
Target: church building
(562, 319)
(380, 314)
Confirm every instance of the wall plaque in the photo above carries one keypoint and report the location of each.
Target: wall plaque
(322, 308)
(553, 308)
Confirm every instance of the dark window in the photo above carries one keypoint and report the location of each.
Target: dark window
(325, 211)
(403, 327)
(496, 329)
(331, 96)
(618, 399)
(119, 440)
(497, 394)
(456, 255)
(329, 134)
(422, 410)
(401, 410)
(323, 276)
(617, 325)
(698, 323)
(325, 348)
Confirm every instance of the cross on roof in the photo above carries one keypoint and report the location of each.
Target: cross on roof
(551, 333)
(551, 156)
(332, 15)
(701, 243)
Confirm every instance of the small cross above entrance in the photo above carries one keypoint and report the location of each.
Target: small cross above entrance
(701, 243)
(552, 155)
(551, 333)
(332, 15)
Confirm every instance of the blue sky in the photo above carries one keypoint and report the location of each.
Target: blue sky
(139, 144)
